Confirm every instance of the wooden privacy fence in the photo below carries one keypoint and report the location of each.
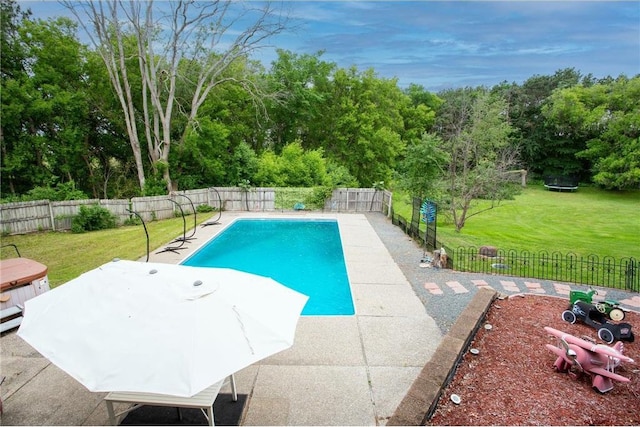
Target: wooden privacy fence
(42, 215)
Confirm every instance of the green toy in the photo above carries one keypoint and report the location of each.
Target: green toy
(609, 308)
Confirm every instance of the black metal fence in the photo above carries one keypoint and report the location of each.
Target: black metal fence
(585, 270)
(411, 228)
(570, 268)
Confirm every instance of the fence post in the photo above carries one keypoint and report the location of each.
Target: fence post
(53, 221)
(631, 276)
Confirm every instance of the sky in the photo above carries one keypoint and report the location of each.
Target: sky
(451, 44)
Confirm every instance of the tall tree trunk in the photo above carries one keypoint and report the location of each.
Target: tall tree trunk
(187, 31)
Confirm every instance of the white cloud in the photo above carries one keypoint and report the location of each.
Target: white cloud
(441, 43)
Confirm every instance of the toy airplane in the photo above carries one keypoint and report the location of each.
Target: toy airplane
(597, 360)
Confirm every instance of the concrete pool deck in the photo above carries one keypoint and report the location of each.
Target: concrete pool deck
(341, 370)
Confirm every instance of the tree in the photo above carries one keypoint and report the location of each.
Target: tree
(201, 160)
(363, 124)
(244, 164)
(294, 167)
(111, 168)
(419, 115)
(605, 116)
(543, 150)
(423, 166)
(476, 134)
(210, 36)
(59, 112)
(45, 107)
(231, 105)
(18, 159)
(302, 82)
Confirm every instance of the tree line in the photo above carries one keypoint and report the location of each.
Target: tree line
(171, 99)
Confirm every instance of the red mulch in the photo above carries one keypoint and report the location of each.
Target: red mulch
(512, 382)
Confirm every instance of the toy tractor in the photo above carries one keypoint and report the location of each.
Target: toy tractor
(609, 308)
(589, 315)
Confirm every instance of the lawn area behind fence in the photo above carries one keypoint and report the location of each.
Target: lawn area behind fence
(588, 221)
(589, 237)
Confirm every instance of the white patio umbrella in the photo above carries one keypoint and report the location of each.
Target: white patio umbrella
(160, 328)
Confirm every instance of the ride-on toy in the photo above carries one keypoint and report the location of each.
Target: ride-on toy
(591, 316)
(577, 356)
(610, 308)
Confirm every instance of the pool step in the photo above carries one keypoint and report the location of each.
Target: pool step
(11, 318)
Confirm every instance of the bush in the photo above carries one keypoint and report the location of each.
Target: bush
(132, 220)
(91, 218)
(62, 191)
(339, 176)
(204, 208)
(294, 167)
(318, 197)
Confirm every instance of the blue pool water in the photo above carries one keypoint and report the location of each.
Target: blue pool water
(304, 255)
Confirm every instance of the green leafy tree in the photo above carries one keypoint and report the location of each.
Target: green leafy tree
(423, 166)
(229, 124)
(244, 164)
(111, 168)
(60, 112)
(419, 116)
(268, 172)
(339, 176)
(19, 159)
(203, 34)
(45, 111)
(245, 117)
(606, 115)
(201, 160)
(294, 167)
(364, 124)
(302, 83)
(476, 135)
(360, 121)
(544, 149)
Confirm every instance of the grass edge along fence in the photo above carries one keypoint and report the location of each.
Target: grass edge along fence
(587, 270)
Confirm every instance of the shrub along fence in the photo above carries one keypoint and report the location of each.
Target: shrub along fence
(44, 215)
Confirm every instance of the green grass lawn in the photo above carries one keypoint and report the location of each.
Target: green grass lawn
(588, 221)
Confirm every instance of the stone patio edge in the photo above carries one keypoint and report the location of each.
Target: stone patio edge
(420, 402)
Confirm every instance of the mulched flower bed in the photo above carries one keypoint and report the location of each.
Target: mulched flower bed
(511, 380)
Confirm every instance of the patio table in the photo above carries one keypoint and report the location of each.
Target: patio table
(203, 400)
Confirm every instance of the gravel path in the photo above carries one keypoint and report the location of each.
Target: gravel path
(445, 293)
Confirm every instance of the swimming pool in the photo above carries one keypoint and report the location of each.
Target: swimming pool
(305, 255)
